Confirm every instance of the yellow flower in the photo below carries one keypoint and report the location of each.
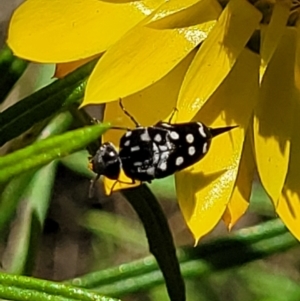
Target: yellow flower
(153, 62)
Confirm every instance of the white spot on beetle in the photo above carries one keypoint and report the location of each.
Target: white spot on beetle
(163, 148)
(150, 171)
(201, 130)
(167, 125)
(145, 136)
(155, 153)
(127, 143)
(128, 134)
(191, 150)
(174, 135)
(157, 138)
(189, 138)
(204, 149)
(135, 148)
(179, 161)
(163, 166)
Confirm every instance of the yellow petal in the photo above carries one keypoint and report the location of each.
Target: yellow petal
(178, 14)
(67, 30)
(239, 200)
(205, 189)
(141, 58)
(274, 116)
(149, 105)
(63, 69)
(288, 206)
(271, 34)
(217, 56)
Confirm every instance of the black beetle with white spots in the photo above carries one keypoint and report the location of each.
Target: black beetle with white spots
(155, 152)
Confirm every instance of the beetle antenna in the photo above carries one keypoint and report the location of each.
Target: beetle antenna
(92, 186)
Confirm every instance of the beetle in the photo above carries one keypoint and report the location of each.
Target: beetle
(155, 152)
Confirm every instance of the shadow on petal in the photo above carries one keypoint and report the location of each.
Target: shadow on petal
(278, 95)
(288, 205)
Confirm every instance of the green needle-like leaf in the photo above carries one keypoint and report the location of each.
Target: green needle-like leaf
(43, 152)
(21, 288)
(43, 103)
(21, 294)
(239, 248)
